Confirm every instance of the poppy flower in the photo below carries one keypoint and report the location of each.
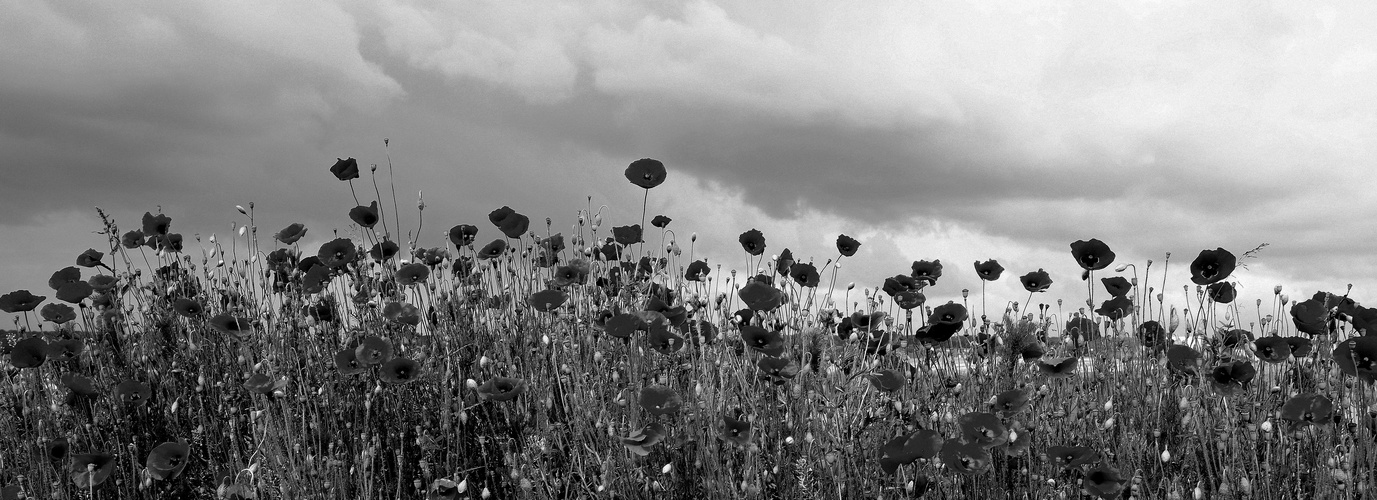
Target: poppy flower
(462, 266)
(345, 169)
(64, 276)
(649, 435)
(784, 262)
(910, 299)
(230, 325)
(761, 297)
(463, 234)
(1306, 409)
(847, 245)
(1152, 335)
(1300, 346)
(58, 313)
(74, 292)
(610, 250)
(804, 274)
(66, 349)
(660, 400)
(1233, 338)
(347, 362)
(91, 469)
(646, 172)
(989, 270)
(547, 300)
(1092, 255)
(337, 253)
(628, 235)
(660, 221)
(1117, 285)
(1031, 351)
(167, 460)
(1011, 401)
(373, 350)
(907, 448)
(57, 449)
(662, 340)
(945, 321)
(132, 239)
(307, 263)
(1272, 349)
(1036, 281)
(927, 271)
(1116, 308)
(90, 258)
(735, 431)
(384, 250)
(1182, 360)
(103, 283)
(1070, 457)
(263, 384)
(887, 380)
(777, 370)
(399, 371)
(290, 234)
(1212, 266)
(509, 222)
(901, 283)
(767, 342)
(170, 242)
(624, 325)
(493, 250)
(1103, 482)
(365, 217)
(20, 301)
(79, 385)
(1311, 316)
(412, 274)
(1062, 367)
(752, 241)
(1356, 356)
(697, 270)
(443, 489)
(316, 279)
(984, 429)
(1232, 377)
(1019, 442)
(188, 308)
(156, 225)
(965, 458)
(1222, 292)
(1081, 328)
(501, 388)
(133, 392)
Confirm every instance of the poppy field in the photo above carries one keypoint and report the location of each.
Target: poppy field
(603, 360)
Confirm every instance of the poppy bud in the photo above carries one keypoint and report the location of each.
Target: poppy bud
(1166, 455)
(851, 286)
(486, 493)
(667, 468)
(1121, 268)
(241, 210)
(789, 440)
(471, 384)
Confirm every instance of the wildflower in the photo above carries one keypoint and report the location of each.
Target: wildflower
(1272, 349)
(74, 292)
(761, 297)
(1222, 292)
(777, 370)
(347, 362)
(1117, 285)
(20, 301)
(290, 234)
(132, 239)
(66, 349)
(399, 371)
(1092, 255)
(1061, 367)
(1011, 401)
(1069, 457)
(188, 308)
(373, 350)
(365, 217)
(79, 385)
(989, 270)
(462, 235)
(345, 169)
(1082, 329)
(646, 173)
(64, 276)
(1036, 281)
(847, 245)
(1357, 356)
(336, 253)
(783, 262)
(910, 299)
(984, 429)
(156, 225)
(1232, 377)
(649, 435)
(1212, 266)
(1152, 335)
(1232, 338)
(384, 250)
(965, 458)
(735, 431)
(1103, 482)
(1311, 316)
(167, 460)
(907, 448)
(103, 283)
(263, 384)
(927, 271)
(901, 283)
(660, 400)
(412, 274)
(493, 250)
(58, 313)
(662, 340)
(697, 270)
(753, 241)
(804, 274)
(133, 392)
(90, 258)
(1116, 308)
(660, 221)
(230, 325)
(509, 222)
(462, 266)
(1306, 409)
(767, 342)
(91, 469)
(1182, 360)
(57, 449)
(887, 380)
(501, 388)
(1300, 346)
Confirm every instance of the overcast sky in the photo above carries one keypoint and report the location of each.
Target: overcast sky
(958, 131)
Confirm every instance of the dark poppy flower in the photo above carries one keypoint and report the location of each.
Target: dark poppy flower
(1036, 281)
(624, 326)
(804, 274)
(66, 349)
(1081, 329)
(742, 317)
(1103, 482)
(699, 331)
(462, 235)
(646, 172)
(660, 221)
(412, 274)
(90, 258)
(1232, 377)
(767, 342)
(365, 217)
(290, 234)
(1311, 317)
(867, 322)
(337, 253)
(231, 325)
(1152, 335)
(1306, 409)
(887, 380)
(735, 431)
(660, 400)
(263, 384)
(847, 245)
(384, 250)
(399, 370)
(547, 300)
(133, 392)
(662, 340)
(1300, 346)
(1182, 360)
(945, 321)
(927, 271)
(640, 441)
(1117, 286)
(752, 241)
(610, 250)
(462, 266)
(91, 469)
(1011, 401)
(443, 489)
(58, 313)
(1357, 356)
(1212, 266)
(777, 370)
(20, 301)
(784, 262)
(373, 350)
(1061, 367)
(307, 263)
(697, 270)
(761, 297)
(102, 283)
(965, 458)
(132, 239)
(170, 242)
(907, 448)
(57, 449)
(984, 429)
(509, 222)
(64, 276)
(1234, 337)
(901, 283)
(345, 169)
(1032, 351)
(1222, 292)
(156, 225)
(1272, 349)
(189, 308)
(1070, 457)
(74, 292)
(989, 270)
(493, 250)
(628, 235)
(315, 280)
(29, 353)
(1092, 255)
(1116, 308)
(79, 385)
(910, 299)
(347, 362)
(167, 460)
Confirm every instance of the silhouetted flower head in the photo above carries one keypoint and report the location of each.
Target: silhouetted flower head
(697, 270)
(662, 340)
(493, 250)
(1092, 255)
(1357, 356)
(58, 313)
(910, 299)
(230, 325)
(927, 271)
(887, 380)
(847, 245)
(804, 274)
(1272, 349)
(753, 242)
(735, 431)
(365, 217)
(1152, 335)
(462, 235)
(399, 370)
(103, 282)
(1116, 308)
(345, 169)
(628, 235)
(649, 435)
(384, 250)
(1117, 286)
(347, 362)
(132, 239)
(1060, 367)
(337, 253)
(1081, 329)
(1231, 338)
(1182, 360)
(660, 221)
(189, 308)
(501, 389)
(57, 449)
(646, 172)
(66, 349)
(1306, 409)
(413, 274)
(767, 342)
(74, 292)
(660, 400)
(167, 460)
(91, 469)
(1011, 401)
(984, 429)
(1103, 482)
(1232, 377)
(777, 370)
(965, 458)
(1212, 266)
(625, 325)
(1036, 281)
(20, 301)
(64, 276)
(1300, 346)
(509, 222)
(761, 297)
(156, 225)
(290, 234)
(1311, 317)
(907, 448)
(901, 283)
(133, 392)
(989, 270)
(90, 258)
(1222, 292)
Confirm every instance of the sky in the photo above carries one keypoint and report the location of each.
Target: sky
(958, 131)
